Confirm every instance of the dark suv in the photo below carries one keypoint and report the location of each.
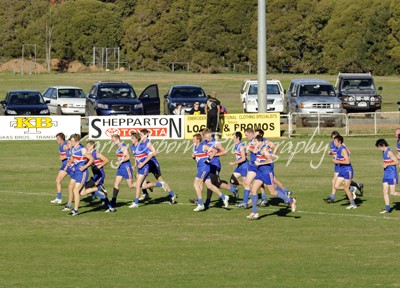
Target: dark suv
(116, 98)
(185, 95)
(358, 93)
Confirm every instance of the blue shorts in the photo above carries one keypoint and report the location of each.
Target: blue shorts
(252, 168)
(242, 170)
(99, 178)
(203, 172)
(144, 170)
(266, 177)
(125, 170)
(71, 172)
(336, 168)
(390, 181)
(81, 177)
(346, 172)
(63, 165)
(154, 169)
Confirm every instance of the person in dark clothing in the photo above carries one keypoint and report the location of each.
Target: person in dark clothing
(212, 110)
(196, 110)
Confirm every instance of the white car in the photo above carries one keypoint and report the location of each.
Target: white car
(275, 96)
(65, 100)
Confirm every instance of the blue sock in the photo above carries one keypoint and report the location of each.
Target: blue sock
(136, 201)
(254, 199)
(264, 197)
(332, 197)
(200, 201)
(158, 184)
(232, 188)
(246, 196)
(222, 197)
(279, 189)
(170, 193)
(100, 195)
(69, 205)
(58, 195)
(352, 202)
(388, 208)
(284, 197)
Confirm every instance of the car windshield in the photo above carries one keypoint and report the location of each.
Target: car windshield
(358, 84)
(317, 90)
(116, 93)
(271, 89)
(71, 93)
(188, 92)
(28, 98)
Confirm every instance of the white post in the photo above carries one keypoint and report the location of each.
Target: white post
(262, 58)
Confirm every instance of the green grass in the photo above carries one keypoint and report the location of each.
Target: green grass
(162, 245)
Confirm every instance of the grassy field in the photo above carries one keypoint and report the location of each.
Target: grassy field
(227, 85)
(162, 245)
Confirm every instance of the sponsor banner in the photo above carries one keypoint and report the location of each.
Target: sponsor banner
(229, 123)
(160, 127)
(37, 127)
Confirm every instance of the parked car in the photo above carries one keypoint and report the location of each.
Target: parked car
(313, 97)
(358, 93)
(65, 100)
(116, 98)
(275, 96)
(185, 95)
(24, 102)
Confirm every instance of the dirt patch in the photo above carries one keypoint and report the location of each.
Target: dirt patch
(28, 66)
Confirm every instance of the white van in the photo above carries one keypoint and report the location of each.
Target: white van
(249, 96)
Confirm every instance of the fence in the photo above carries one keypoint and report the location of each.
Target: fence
(351, 124)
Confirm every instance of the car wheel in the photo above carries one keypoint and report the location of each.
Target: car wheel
(59, 111)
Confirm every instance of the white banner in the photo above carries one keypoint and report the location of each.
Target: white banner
(160, 127)
(37, 127)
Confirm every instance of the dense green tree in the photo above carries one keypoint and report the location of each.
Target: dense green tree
(83, 24)
(394, 35)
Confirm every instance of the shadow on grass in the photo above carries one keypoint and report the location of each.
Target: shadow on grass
(396, 206)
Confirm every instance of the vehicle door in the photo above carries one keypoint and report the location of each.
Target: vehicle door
(292, 98)
(51, 95)
(150, 99)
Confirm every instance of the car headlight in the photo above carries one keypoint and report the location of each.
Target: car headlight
(138, 106)
(102, 106)
(373, 99)
(305, 105)
(337, 106)
(251, 101)
(350, 98)
(11, 112)
(46, 111)
(68, 105)
(278, 102)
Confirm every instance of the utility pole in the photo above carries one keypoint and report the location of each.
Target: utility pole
(262, 58)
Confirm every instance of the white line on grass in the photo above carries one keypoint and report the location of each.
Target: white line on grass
(230, 207)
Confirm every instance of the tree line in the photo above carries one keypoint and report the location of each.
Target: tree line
(303, 36)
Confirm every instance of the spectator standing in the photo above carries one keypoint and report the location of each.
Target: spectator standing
(197, 110)
(212, 110)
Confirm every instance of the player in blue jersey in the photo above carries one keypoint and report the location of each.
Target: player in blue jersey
(82, 161)
(62, 172)
(345, 171)
(397, 133)
(390, 177)
(154, 167)
(203, 173)
(241, 162)
(353, 184)
(139, 151)
(265, 176)
(71, 172)
(95, 183)
(124, 170)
